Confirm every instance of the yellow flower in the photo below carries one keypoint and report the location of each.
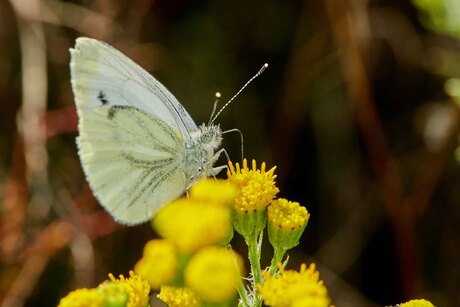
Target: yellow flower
(192, 225)
(178, 297)
(214, 273)
(417, 303)
(214, 191)
(287, 215)
(256, 187)
(137, 288)
(291, 288)
(82, 298)
(286, 223)
(158, 264)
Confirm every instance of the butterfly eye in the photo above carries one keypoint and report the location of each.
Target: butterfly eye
(206, 138)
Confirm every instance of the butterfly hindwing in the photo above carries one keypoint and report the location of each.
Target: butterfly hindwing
(132, 160)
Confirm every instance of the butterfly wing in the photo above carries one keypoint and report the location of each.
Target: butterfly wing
(132, 133)
(102, 75)
(132, 161)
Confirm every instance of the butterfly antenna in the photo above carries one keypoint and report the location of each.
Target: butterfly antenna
(214, 108)
(244, 86)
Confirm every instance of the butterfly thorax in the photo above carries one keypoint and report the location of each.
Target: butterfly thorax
(200, 151)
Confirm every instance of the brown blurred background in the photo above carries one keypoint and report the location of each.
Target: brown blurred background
(352, 110)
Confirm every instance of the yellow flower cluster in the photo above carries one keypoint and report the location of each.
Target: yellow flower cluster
(131, 292)
(190, 264)
(292, 288)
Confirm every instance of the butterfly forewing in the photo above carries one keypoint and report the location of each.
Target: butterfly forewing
(101, 75)
(131, 160)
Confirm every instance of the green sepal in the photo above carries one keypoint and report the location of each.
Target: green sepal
(250, 224)
(284, 239)
(114, 295)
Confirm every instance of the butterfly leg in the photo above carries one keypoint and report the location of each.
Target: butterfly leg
(217, 170)
(219, 152)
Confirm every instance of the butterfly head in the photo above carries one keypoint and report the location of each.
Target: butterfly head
(210, 136)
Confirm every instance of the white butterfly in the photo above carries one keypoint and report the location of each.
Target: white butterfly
(138, 145)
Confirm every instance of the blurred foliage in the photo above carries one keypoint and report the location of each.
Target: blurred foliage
(352, 110)
(440, 15)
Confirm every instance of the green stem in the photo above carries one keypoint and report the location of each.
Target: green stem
(243, 296)
(254, 250)
(254, 259)
(277, 257)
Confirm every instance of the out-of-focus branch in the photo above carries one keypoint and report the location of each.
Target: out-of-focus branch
(74, 16)
(34, 89)
(32, 133)
(355, 75)
(29, 154)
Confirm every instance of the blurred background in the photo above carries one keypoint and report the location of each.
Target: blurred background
(353, 110)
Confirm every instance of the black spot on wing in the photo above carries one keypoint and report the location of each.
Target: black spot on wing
(102, 98)
(114, 109)
(111, 112)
